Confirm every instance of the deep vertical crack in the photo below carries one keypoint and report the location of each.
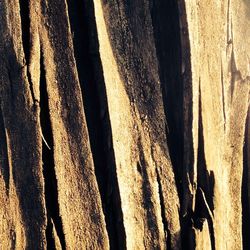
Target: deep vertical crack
(167, 35)
(51, 189)
(147, 199)
(86, 52)
(25, 23)
(205, 186)
(165, 20)
(245, 190)
(162, 205)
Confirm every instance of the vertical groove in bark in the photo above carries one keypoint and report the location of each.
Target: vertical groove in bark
(188, 178)
(162, 205)
(173, 52)
(90, 73)
(25, 24)
(166, 27)
(147, 197)
(4, 162)
(245, 190)
(205, 186)
(51, 189)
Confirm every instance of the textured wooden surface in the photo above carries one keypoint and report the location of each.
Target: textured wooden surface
(123, 124)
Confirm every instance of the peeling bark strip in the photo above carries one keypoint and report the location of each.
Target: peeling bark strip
(123, 124)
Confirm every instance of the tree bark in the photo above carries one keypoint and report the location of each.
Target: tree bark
(124, 124)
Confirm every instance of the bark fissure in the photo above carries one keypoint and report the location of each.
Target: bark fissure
(166, 27)
(90, 73)
(205, 186)
(4, 161)
(162, 205)
(50, 181)
(171, 58)
(223, 97)
(147, 196)
(25, 23)
(188, 180)
(245, 190)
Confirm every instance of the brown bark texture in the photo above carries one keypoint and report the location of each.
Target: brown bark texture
(124, 124)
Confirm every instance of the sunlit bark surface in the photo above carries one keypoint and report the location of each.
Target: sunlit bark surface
(124, 124)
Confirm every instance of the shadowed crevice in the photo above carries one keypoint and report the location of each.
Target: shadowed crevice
(245, 189)
(166, 27)
(49, 234)
(147, 199)
(164, 221)
(51, 189)
(205, 180)
(168, 42)
(25, 23)
(90, 73)
(205, 186)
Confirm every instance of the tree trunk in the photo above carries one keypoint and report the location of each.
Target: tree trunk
(123, 124)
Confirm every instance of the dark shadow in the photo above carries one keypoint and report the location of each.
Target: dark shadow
(166, 26)
(205, 186)
(90, 73)
(205, 180)
(25, 24)
(245, 190)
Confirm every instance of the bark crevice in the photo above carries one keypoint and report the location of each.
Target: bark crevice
(166, 27)
(147, 196)
(245, 189)
(205, 186)
(162, 205)
(50, 181)
(25, 24)
(90, 73)
(4, 161)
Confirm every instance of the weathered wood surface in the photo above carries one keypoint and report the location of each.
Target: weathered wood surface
(123, 124)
